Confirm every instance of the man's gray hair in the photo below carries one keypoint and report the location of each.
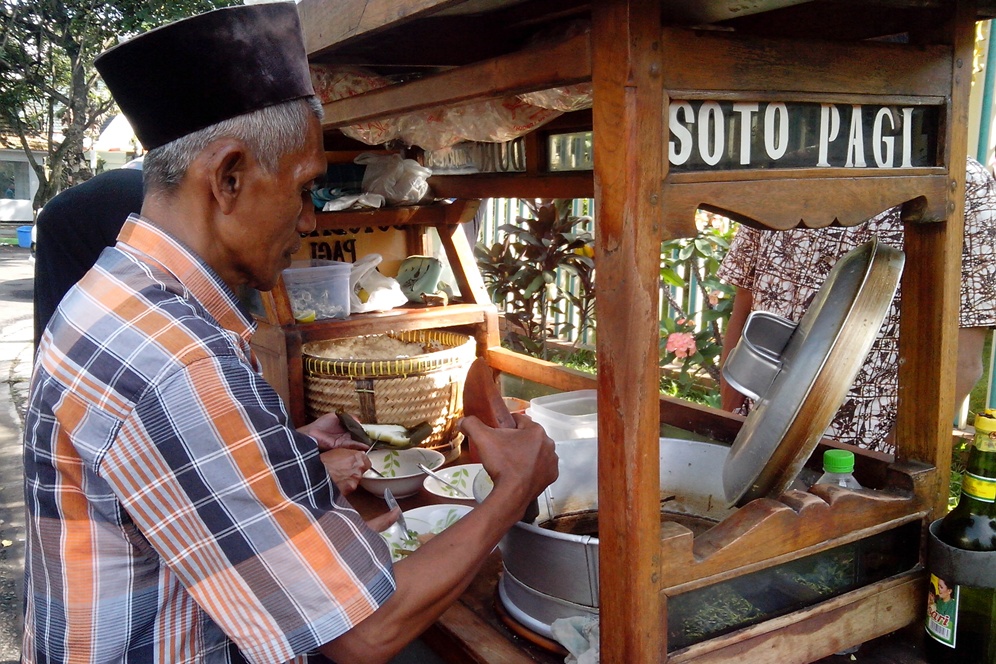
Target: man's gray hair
(270, 133)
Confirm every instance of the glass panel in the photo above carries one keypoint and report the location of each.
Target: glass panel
(752, 598)
(14, 180)
(571, 152)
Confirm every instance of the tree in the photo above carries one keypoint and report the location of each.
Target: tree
(49, 89)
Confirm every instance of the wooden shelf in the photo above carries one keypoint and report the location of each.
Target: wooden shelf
(434, 214)
(278, 340)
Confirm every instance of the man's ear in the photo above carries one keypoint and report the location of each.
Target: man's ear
(227, 170)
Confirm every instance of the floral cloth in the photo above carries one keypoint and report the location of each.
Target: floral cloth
(785, 269)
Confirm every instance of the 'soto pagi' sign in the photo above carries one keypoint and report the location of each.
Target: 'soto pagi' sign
(733, 135)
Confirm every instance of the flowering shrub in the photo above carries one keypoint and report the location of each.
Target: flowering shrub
(699, 306)
(521, 276)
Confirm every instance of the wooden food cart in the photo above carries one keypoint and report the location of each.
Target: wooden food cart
(666, 77)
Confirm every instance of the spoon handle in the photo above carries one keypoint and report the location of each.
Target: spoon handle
(438, 478)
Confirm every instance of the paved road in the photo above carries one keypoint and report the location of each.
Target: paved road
(16, 287)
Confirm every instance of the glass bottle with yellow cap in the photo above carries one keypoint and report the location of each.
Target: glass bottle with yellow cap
(964, 617)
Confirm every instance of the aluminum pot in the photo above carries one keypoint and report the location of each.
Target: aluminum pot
(550, 574)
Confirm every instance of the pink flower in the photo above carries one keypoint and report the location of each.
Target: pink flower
(682, 344)
(714, 297)
(680, 321)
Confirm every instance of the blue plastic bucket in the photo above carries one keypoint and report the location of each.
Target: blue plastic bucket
(24, 236)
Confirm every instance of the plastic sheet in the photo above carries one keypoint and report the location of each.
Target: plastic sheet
(566, 99)
(400, 181)
(333, 83)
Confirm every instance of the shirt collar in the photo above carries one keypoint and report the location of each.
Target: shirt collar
(154, 244)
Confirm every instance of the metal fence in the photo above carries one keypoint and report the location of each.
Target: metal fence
(673, 301)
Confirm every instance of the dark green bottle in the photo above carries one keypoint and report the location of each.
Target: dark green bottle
(961, 619)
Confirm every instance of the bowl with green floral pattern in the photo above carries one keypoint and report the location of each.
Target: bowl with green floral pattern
(453, 484)
(398, 470)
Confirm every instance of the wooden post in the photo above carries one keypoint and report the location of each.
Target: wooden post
(928, 335)
(628, 138)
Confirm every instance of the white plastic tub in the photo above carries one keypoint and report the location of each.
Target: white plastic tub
(568, 415)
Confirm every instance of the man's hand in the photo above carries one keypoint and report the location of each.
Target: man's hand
(382, 522)
(329, 433)
(523, 460)
(345, 467)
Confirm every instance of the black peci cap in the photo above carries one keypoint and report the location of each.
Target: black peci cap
(191, 74)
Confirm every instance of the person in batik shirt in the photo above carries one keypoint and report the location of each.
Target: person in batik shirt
(781, 272)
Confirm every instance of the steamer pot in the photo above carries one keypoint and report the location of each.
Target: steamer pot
(800, 375)
(548, 574)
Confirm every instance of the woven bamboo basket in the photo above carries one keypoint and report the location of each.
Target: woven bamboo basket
(407, 391)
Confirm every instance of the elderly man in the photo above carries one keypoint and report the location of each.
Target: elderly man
(173, 513)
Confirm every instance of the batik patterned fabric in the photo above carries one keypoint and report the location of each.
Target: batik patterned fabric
(785, 269)
(173, 513)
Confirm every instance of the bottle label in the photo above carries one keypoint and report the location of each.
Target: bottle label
(978, 487)
(985, 441)
(942, 611)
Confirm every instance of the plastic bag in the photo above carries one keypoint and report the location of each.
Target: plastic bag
(399, 181)
(369, 290)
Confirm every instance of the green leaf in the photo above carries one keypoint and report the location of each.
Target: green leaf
(672, 278)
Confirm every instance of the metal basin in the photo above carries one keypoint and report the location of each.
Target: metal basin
(550, 574)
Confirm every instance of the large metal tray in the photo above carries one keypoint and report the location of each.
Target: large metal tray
(818, 365)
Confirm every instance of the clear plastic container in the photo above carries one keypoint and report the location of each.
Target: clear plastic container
(568, 415)
(318, 289)
(838, 468)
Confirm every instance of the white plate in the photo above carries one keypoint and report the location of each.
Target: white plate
(429, 519)
(461, 476)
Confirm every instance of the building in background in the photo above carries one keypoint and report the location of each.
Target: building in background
(114, 148)
(18, 182)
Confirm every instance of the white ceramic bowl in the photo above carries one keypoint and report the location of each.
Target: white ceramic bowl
(482, 485)
(422, 520)
(461, 476)
(400, 468)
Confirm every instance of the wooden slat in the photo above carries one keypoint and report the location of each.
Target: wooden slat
(539, 371)
(928, 332)
(704, 60)
(270, 348)
(808, 202)
(404, 215)
(405, 318)
(697, 11)
(524, 71)
(628, 137)
(805, 636)
(514, 185)
(768, 531)
(461, 259)
(460, 636)
(326, 25)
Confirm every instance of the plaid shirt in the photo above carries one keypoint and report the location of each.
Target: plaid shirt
(785, 269)
(173, 514)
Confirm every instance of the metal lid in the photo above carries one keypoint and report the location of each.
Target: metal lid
(819, 364)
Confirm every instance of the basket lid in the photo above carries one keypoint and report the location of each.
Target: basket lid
(454, 349)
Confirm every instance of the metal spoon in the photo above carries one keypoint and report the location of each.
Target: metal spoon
(391, 504)
(438, 478)
(367, 452)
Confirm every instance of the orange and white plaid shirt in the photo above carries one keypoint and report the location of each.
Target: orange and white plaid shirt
(173, 514)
